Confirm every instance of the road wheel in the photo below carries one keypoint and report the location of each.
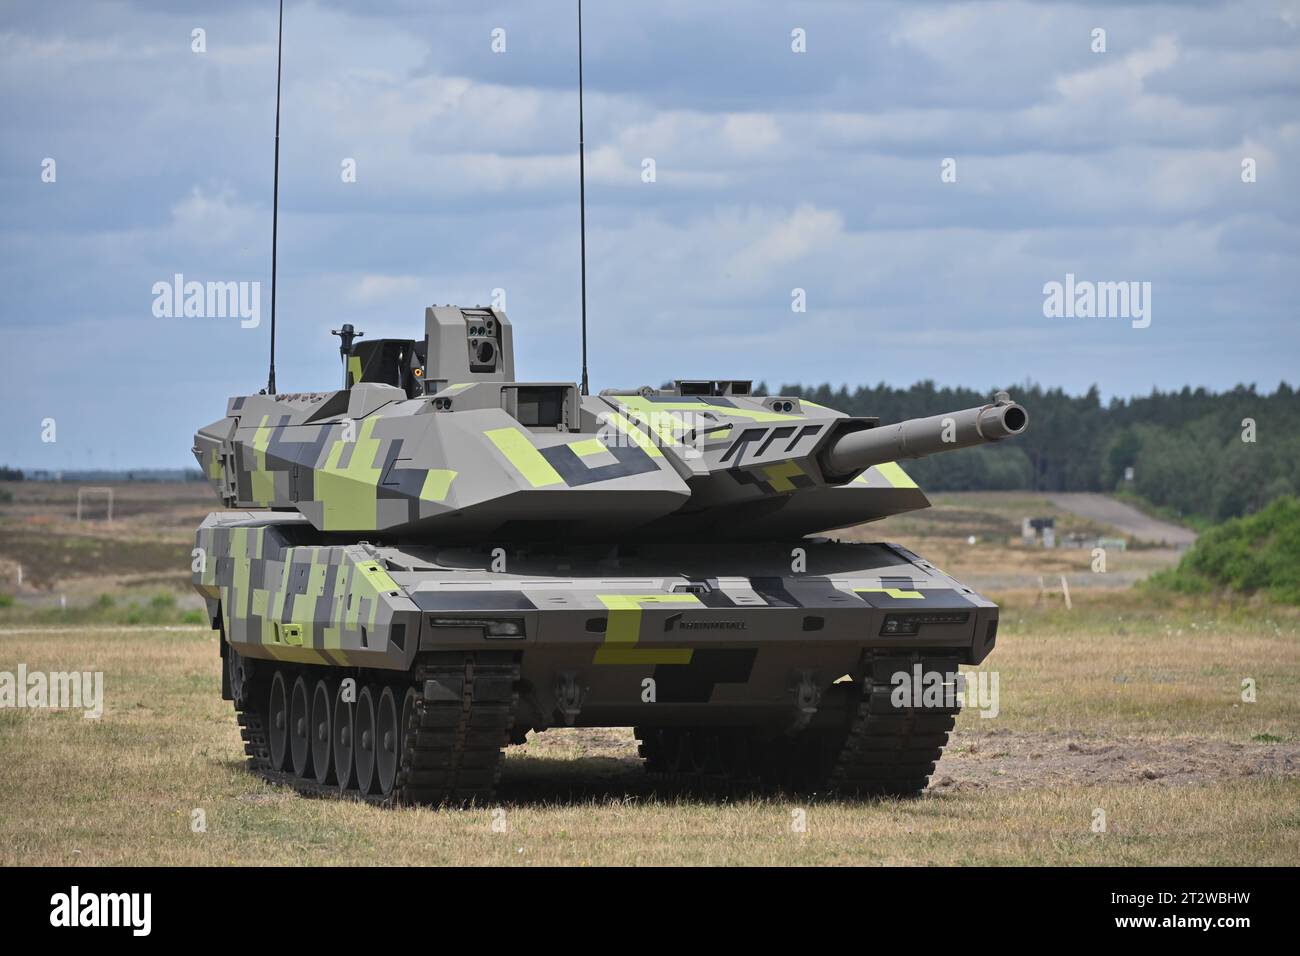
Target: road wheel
(240, 672)
(278, 718)
(321, 699)
(363, 726)
(341, 737)
(409, 728)
(300, 728)
(387, 738)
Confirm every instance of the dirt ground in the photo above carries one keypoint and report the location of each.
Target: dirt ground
(975, 760)
(1126, 518)
(1019, 761)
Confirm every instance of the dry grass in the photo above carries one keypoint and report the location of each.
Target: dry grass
(1130, 703)
(1137, 663)
(1115, 673)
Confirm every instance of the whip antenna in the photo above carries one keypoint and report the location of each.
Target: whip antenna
(275, 200)
(582, 208)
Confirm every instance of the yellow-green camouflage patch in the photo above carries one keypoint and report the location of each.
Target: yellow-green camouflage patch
(779, 475)
(349, 493)
(524, 456)
(588, 447)
(895, 475)
(898, 593)
(437, 484)
(623, 631)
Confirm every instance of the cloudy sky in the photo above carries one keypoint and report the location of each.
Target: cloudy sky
(775, 170)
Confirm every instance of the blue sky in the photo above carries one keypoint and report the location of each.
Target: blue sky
(775, 170)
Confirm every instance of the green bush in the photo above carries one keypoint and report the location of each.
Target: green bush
(1256, 554)
(6, 600)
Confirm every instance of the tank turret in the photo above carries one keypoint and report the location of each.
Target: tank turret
(435, 438)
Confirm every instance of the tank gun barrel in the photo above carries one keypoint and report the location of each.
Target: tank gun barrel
(920, 437)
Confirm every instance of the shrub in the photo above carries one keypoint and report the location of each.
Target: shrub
(1259, 553)
(162, 601)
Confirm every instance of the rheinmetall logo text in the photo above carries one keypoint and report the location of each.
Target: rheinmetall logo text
(676, 623)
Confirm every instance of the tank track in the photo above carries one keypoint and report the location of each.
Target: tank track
(891, 751)
(885, 751)
(451, 746)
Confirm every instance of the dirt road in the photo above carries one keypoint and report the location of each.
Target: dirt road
(1126, 518)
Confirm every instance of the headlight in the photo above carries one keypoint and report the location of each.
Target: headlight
(909, 623)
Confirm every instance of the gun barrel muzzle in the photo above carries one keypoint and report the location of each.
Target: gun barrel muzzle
(919, 437)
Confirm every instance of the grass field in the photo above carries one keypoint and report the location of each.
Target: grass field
(1129, 705)
(1113, 707)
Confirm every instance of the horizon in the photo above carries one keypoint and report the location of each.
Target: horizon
(1104, 405)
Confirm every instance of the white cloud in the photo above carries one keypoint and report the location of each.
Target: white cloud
(214, 218)
(1119, 79)
(784, 241)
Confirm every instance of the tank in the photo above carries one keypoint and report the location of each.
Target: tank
(425, 564)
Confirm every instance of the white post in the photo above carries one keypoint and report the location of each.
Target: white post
(1065, 590)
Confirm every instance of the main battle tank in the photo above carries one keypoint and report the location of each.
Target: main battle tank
(444, 558)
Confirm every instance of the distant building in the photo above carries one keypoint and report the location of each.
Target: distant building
(1038, 531)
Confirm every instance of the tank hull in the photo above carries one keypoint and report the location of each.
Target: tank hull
(696, 645)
